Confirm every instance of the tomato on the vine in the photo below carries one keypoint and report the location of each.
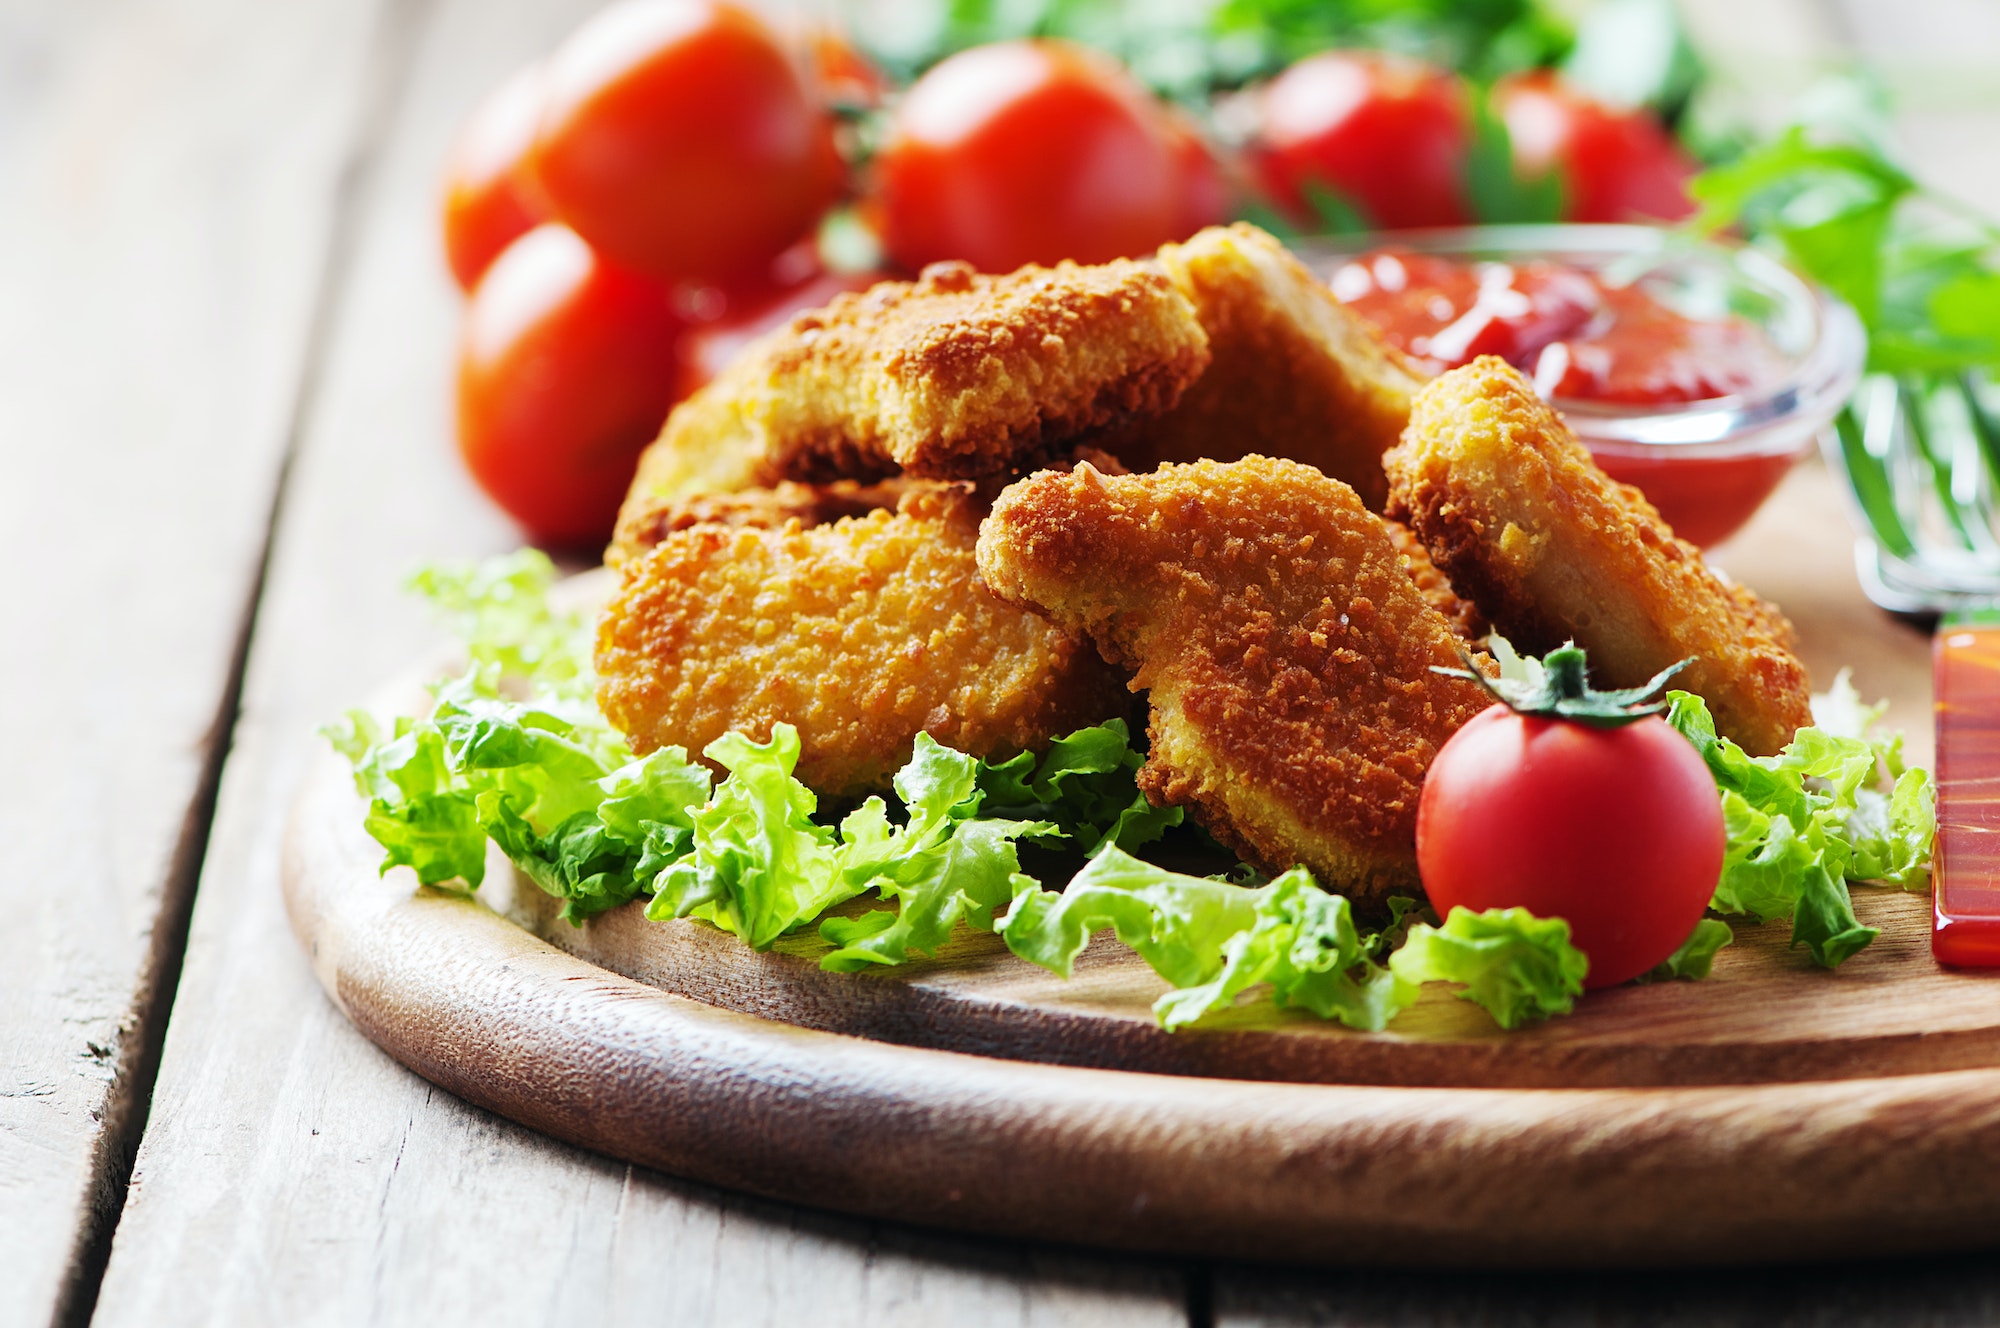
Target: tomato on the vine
(1617, 830)
(1026, 152)
(488, 200)
(681, 140)
(1386, 134)
(1614, 165)
(566, 371)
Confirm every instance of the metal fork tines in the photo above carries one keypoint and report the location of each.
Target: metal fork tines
(1922, 461)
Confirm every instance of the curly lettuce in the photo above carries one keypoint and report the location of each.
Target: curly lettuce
(515, 754)
(1215, 941)
(1835, 806)
(564, 799)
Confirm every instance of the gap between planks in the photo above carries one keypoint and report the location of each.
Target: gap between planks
(385, 70)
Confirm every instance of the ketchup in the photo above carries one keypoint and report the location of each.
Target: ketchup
(1581, 339)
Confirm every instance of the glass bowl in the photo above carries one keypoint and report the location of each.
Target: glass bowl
(1707, 465)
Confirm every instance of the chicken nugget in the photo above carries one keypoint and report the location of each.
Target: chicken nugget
(808, 504)
(1286, 653)
(1516, 513)
(957, 375)
(862, 633)
(1292, 371)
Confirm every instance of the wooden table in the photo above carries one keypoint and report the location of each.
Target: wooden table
(224, 410)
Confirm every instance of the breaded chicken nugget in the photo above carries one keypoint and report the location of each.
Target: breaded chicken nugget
(1520, 518)
(808, 504)
(957, 375)
(862, 633)
(1286, 652)
(1292, 371)
(1461, 615)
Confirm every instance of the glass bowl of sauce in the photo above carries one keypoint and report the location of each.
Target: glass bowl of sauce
(1697, 371)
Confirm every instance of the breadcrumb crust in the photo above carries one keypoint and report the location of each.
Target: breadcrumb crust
(862, 633)
(1286, 651)
(957, 375)
(1519, 517)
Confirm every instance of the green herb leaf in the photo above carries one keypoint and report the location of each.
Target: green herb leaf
(1498, 192)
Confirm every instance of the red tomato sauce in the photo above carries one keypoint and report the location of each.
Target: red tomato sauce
(1581, 339)
(1577, 337)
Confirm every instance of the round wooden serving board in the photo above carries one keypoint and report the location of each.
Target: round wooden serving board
(1773, 1111)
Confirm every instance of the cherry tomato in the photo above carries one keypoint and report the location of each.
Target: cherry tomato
(1388, 134)
(844, 76)
(488, 201)
(566, 371)
(680, 140)
(1201, 184)
(1026, 152)
(1618, 831)
(1614, 165)
(707, 349)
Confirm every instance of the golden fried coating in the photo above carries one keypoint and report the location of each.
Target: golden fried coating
(1286, 652)
(862, 633)
(957, 375)
(1293, 372)
(1520, 518)
(808, 504)
(1461, 615)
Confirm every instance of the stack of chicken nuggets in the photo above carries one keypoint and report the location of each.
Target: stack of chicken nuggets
(992, 509)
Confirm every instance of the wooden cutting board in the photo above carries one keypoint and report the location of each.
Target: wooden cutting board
(1773, 1111)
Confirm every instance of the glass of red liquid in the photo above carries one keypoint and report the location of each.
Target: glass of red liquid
(1698, 371)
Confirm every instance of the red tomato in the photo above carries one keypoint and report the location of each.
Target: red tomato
(565, 373)
(1026, 152)
(707, 349)
(1388, 134)
(1614, 165)
(488, 201)
(1201, 183)
(1618, 831)
(680, 140)
(843, 74)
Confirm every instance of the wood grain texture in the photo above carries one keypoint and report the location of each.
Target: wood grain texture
(292, 1173)
(1304, 1173)
(1767, 1015)
(165, 213)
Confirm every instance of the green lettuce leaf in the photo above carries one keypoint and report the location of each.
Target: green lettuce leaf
(501, 609)
(1805, 822)
(562, 796)
(1696, 955)
(760, 864)
(1084, 784)
(1513, 965)
(942, 867)
(1213, 941)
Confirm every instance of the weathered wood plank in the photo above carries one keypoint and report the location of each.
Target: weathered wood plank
(292, 1173)
(164, 210)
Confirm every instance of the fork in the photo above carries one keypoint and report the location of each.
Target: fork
(1922, 462)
